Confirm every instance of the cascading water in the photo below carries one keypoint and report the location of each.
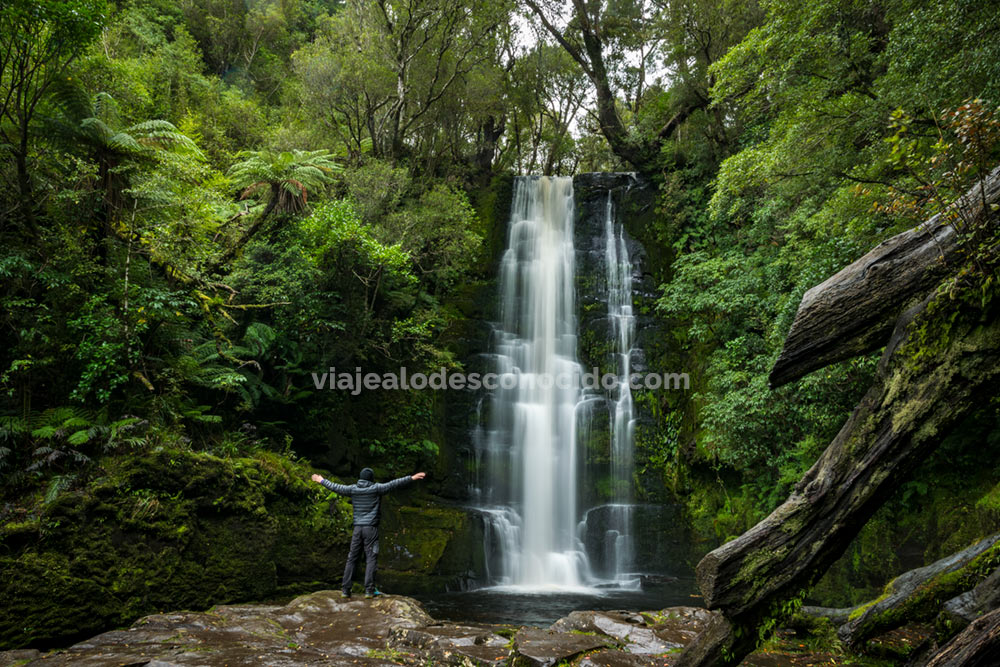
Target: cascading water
(529, 450)
(619, 548)
(527, 458)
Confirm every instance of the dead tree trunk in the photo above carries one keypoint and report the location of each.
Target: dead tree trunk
(855, 310)
(918, 396)
(976, 646)
(941, 354)
(967, 607)
(920, 594)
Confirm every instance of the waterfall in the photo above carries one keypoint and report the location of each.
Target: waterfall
(619, 548)
(526, 449)
(529, 450)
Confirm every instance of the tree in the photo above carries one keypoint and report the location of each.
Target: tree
(385, 67)
(603, 38)
(38, 40)
(94, 125)
(548, 91)
(284, 179)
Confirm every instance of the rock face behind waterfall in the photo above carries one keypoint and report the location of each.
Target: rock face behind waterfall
(661, 542)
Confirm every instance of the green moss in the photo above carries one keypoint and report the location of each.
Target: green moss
(427, 548)
(926, 602)
(165, 530)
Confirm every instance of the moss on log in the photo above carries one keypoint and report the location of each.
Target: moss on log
(941, 356)
(854, 311)
(920, 594)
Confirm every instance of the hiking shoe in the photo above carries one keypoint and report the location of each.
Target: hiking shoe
(373, 594)
(345, 594)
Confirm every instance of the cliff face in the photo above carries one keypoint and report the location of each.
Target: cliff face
(661, 535)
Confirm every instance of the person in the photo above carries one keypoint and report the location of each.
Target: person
(366, 496)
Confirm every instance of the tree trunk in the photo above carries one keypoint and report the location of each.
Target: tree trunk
(919, 595)
(251, 231)
(854, 311)
(918, 395)
(977, 646)
(967, 607)
(24, 178)
(490, 133)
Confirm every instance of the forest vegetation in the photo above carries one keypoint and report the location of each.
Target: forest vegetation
(204, 202)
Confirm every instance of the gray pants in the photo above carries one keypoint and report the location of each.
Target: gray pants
(367, 537)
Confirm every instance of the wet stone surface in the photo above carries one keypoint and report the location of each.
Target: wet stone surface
(324, 629)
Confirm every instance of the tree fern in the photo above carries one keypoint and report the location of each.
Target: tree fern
(94, 124)
(285, 178)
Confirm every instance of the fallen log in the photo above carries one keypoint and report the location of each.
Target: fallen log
(920, 594)
(940, 357)
(976, 646)
(854, 311)
(963, 609)
(837, 615)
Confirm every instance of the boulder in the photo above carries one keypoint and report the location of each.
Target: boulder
(543, 648)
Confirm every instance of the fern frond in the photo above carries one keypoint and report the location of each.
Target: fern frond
(78, 438)
(57, 485)
(45, 432)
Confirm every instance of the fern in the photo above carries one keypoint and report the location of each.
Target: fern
(57, 485)
(259, 338)
(284, 178)
(78, 438)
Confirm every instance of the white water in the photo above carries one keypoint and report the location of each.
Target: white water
(527, 456)
(532, 514)
(619, 545)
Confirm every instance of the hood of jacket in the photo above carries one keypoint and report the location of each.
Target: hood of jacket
(364, 483)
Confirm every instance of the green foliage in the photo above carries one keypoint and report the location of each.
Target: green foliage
(138, 280)
(38, 40)
(285, 178)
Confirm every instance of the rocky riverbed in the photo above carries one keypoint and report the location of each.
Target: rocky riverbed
(323, 628)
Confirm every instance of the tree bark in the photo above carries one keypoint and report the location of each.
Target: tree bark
(977, 646)
(918, 595)
(967, 607)
(918, 396)
(854, 311)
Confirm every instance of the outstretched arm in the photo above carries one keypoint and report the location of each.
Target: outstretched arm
(342, 489)
(386, 487)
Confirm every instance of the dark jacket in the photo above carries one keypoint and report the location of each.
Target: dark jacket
(367, 497)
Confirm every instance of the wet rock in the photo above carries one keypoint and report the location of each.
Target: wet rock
(453, 644)
(679, 625)
(612, 658)
(628, 630)
(319, 628)
(18, 656)
(653, 633)
(324, 629)
(544, 648)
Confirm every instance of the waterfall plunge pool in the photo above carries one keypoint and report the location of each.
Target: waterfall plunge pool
(518, 606)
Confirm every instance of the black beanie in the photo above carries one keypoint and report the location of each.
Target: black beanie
(368, 474)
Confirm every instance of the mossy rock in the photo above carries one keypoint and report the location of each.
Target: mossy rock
(429, 548)
(166, 530)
